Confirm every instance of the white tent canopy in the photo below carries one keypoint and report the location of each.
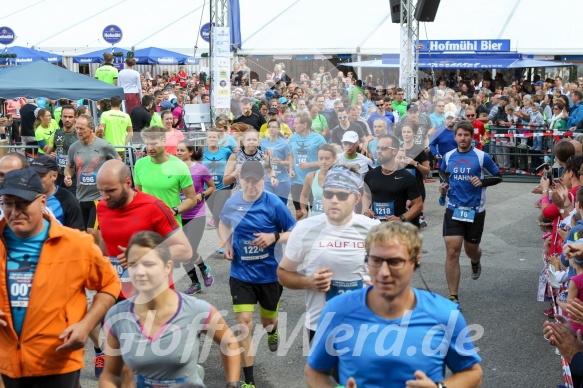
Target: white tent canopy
(289, 27)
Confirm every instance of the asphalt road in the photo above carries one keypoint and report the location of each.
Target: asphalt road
(503, 301)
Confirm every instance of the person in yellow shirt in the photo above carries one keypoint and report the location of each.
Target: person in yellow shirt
(115, 126)
(273, 114)
(44, 131)
(107, 73)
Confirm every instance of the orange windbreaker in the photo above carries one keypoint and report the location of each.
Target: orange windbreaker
(69, 262)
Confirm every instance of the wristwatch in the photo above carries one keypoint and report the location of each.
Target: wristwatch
(562, 211)
(276, 236)
(416, 164)
(203, 195)
(175, 210)
(440, 385)
(402, 217)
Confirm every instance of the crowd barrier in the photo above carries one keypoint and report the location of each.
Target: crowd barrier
(518, 151)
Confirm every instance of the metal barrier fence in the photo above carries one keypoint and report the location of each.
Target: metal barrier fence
(519, 150)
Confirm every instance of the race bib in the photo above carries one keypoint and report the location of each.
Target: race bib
(464, 214)
(182, 197)
(62, 160)
(252, 252)
(147, 382)
(217, 179)
(317, 206)
(88, 178)
(383, 210)
(338, 287)
(19, 284)
(302, 158)
(122, 272)
(276, 168)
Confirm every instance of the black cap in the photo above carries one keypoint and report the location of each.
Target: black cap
(252, 169)
(43, 164)
(24, 183)
(273, 111)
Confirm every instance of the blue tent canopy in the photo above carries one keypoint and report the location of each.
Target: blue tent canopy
(41, 79)
(156, 56)
(26, 55)
(461, 61)
(97, 56)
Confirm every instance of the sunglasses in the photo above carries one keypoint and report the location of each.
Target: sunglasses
(470, 115)
(340, 196)
(380, 105)
(380, 148)
(342, 117)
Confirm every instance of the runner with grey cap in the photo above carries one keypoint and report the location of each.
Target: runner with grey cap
(330, 246)
(253, 222)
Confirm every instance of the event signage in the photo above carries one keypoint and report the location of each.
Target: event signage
(481, 45)
(6, 35)
(205, 32)
(222, 41)
(112, 34)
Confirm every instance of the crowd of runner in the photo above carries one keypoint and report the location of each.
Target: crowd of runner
(349, 157)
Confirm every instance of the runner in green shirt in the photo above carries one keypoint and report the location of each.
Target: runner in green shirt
(116, 126)
(44, 131)
(164, 175)
(107, 73)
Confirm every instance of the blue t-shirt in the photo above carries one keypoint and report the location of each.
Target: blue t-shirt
(268, 214)
(21, 263)
(443, 141)
(305, 150)
(462, 166)
(216, 162)
(281, 149)
(228, 142)
(379, 352)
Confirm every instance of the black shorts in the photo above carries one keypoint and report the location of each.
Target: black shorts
(296, 192)
(65, 380)
(470, 231)
(89, 213)
(246, 295)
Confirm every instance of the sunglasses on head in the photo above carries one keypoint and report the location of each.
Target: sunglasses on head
(381, 148)
(340, 196)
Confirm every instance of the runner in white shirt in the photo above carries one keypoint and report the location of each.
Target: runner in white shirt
(351, 158)
(330, 246)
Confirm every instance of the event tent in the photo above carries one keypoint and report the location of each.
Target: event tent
(290, 27)
(97, 56)
(460, 61)
(26, 55)
(157, 56)
(41, 79)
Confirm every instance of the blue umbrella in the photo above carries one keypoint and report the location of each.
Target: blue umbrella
(27, 55)
(97, 56)
(157, 56)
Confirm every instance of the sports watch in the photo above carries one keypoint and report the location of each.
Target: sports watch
(175, 210)
(402, 217)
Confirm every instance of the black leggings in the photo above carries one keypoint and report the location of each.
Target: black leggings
(216, 202)
(67, 380)
(194, 229)
(89, 213)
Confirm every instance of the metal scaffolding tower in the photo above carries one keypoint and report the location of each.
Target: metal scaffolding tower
(409, 58)
(219, 17)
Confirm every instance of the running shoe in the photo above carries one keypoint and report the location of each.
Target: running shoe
(454, 299)
(221, 250)
(273, 341)
(207, 277)
(549, 313)
(98, 361)
(210, 224)
(442, 200)
(194, 288)
(476, 270)
(422, 223)
(245, 385)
